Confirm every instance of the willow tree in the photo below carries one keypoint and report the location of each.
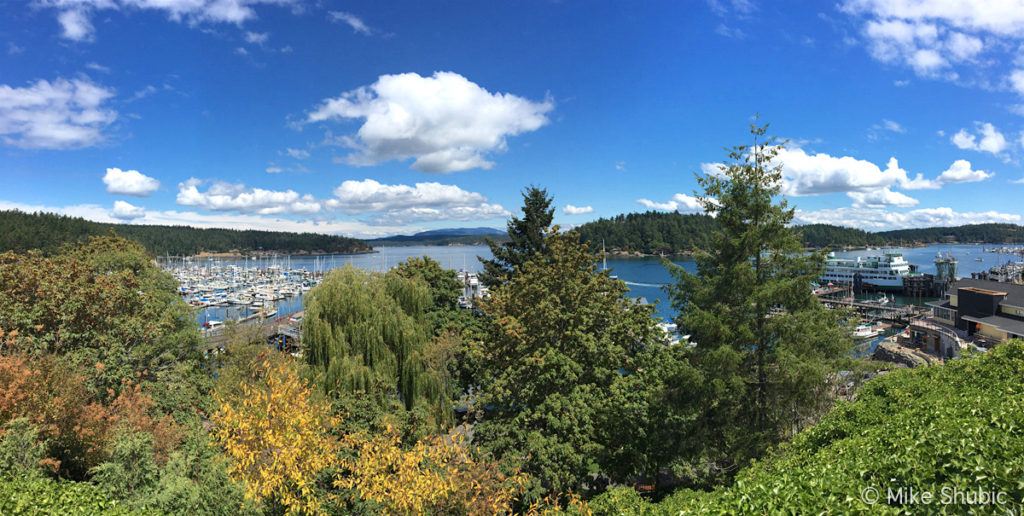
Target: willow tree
(763, 342)
(366, 333)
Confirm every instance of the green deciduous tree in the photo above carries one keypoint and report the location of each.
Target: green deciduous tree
(763, 341)
(365, 334)
(562, 335)
(526, 238)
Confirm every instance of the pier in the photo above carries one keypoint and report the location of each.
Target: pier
(280, 330)
(842, 297)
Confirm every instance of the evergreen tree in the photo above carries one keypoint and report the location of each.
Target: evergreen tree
(526, 238)
(562, 335)
(763, 342)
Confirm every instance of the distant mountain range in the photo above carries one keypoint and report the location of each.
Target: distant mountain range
(447, 236)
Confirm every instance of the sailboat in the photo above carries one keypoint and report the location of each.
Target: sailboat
(604, 261)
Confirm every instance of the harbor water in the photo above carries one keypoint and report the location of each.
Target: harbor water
(645, 276)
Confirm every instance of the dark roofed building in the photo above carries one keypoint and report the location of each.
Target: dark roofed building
(985, 308)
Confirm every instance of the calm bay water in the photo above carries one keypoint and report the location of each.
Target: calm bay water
(646, 277)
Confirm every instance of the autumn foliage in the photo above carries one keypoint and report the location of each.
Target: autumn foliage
(78, 427)
(437, 475)
(276, 435)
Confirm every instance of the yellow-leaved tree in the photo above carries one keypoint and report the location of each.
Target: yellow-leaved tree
(277, 436)
(438, 475)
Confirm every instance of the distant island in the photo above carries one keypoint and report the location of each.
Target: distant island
(450, 236)
(20, 231)
(655, 233)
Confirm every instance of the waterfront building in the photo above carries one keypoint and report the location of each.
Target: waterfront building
(983, 309)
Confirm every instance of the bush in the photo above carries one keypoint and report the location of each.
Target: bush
(956, 426)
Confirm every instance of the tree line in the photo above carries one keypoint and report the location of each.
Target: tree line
(660, 233)
(20, 231)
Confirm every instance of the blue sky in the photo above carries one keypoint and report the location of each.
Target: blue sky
(374, 118)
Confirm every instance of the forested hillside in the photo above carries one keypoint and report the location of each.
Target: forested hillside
(651, 232)
(21, 231)
(672, 233)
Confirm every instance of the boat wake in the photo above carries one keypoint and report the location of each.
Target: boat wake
(635, 284)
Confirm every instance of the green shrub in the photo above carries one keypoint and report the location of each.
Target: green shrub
(957, 428)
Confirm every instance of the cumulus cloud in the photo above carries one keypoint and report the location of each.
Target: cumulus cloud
(813, 174)
(986, 139)
(129, 182)
(577, 210)
(400, 204)
(881, 198)
(74, 15)
(127, 211)
(874, 219)
(356, 23)
(445, 123)
(961, 172)
(680, 202)
(222, 196)
(61, 114)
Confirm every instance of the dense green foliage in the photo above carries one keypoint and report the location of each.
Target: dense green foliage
(956, 426)
(651, 232)
(562, 342)
(674, 233)
(763, 341)
(526, 237)
(366, 335)
(101, 382)
(21, 231)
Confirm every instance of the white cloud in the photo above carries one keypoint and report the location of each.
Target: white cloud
(274, 169)
(221, 196)
(881, 198)
(61, 114)
(445, 122)
(97, 67)
(577, 210)
(400, 204)
(620, 166)
(941, 38)
(75, 25)
(221, 220)
(874, 219)
(892, 126)
(74, 15)
(129, 182)
(1005, 18)
(961, 172)
(813, 174)
(988, 139)
(127, 211)
(680, 202)
(1017, 81)
(297, 153)
(356, 23)
(256, 38)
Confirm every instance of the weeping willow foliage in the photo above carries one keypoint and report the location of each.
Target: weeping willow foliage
(366, 332)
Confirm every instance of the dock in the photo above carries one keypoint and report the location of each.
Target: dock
(281, 331)
(842, 297)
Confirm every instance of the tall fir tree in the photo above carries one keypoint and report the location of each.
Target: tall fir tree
(763, 342)
(526, 238)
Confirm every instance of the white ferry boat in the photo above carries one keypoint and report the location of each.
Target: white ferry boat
(885, 272)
